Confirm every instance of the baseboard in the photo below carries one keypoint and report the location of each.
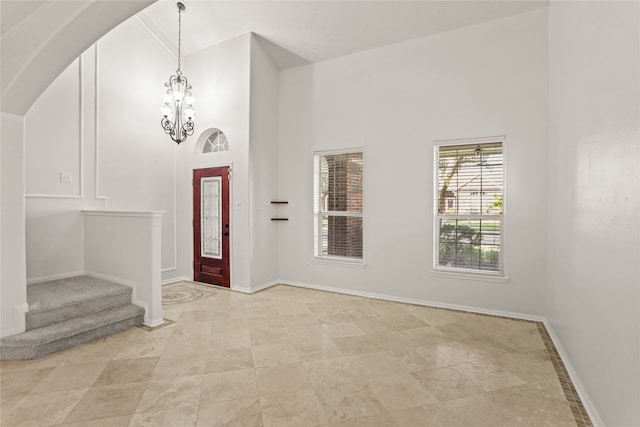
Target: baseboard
(258, 288)
(175, 280)
(575, 379)
(415, 301)
(41, 279)
(154, 323)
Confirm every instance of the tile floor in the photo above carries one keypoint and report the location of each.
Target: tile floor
(295, 357)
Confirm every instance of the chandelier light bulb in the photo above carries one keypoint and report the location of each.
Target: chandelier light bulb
(178, 96)
(166, 110)
(189, 113)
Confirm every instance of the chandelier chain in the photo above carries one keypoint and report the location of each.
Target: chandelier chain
(179, 36)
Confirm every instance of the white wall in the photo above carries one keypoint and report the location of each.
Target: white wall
(53, 137)
(136, 167)
(56, 140)
(263, 159)
(593, 291)
(484, 80)
(124, 247)
(220, 79)
(100, 121)
(13, 296)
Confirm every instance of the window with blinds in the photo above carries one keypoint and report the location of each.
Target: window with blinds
(469, 205)
(338, 207)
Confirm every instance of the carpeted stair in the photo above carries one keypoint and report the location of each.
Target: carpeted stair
(68, 312)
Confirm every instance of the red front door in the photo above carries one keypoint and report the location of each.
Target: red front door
(211, 226)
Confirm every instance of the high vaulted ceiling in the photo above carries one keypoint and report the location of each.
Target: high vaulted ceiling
(299, 32)
(40, 38)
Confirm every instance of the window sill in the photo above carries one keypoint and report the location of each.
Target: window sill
(470, 276)
(339, 263)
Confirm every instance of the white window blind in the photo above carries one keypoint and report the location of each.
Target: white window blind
(469, 206)
(338, 206)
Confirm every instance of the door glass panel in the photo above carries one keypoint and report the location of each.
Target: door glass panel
(211, 217)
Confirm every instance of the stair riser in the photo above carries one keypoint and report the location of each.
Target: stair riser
(37, 319)
(29, 353)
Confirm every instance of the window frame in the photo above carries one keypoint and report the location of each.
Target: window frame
(317, 213)
(461, 271)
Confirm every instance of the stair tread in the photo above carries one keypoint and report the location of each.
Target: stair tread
(71, 327)
(55, 294)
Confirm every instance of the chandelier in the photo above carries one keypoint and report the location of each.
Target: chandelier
(178, 111)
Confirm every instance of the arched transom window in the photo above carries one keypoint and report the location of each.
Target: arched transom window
(216, 141)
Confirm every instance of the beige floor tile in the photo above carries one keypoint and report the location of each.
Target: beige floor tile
(185, 365)
(489, 346)
(128, 371)
(67, 376)
(267, 323)
(399, 392)
(298, 409)
(282, 379)
(317, 350)
(477, 411)
(231, 385)
(456, 352)
(299, 319)
(384, 420)
(182, 417)
(418, 337)
(291, 308)
(16, 382)
(7, 402)
(461, 330)
(343, 329)
(488, 375)
(169, 394)
(271, 355)
(438, 316)
(361, 344)
(190, 330)
(202, 315)
(309, 332)
(122, 421)
(229, 360)
(261, 337)
(332, 372)
(538, 404)
(50, 361)
(229, 339)
(43, 409)
(374, 325)
(96, 351)
(232, 413)
(445, 383)
(378, 364)
(151, 347)
(418, 358)
(402, 321)
(107, 402)
(431, 416)
(529, 367)
(349, 401)
(180, 346)
(525, 341)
